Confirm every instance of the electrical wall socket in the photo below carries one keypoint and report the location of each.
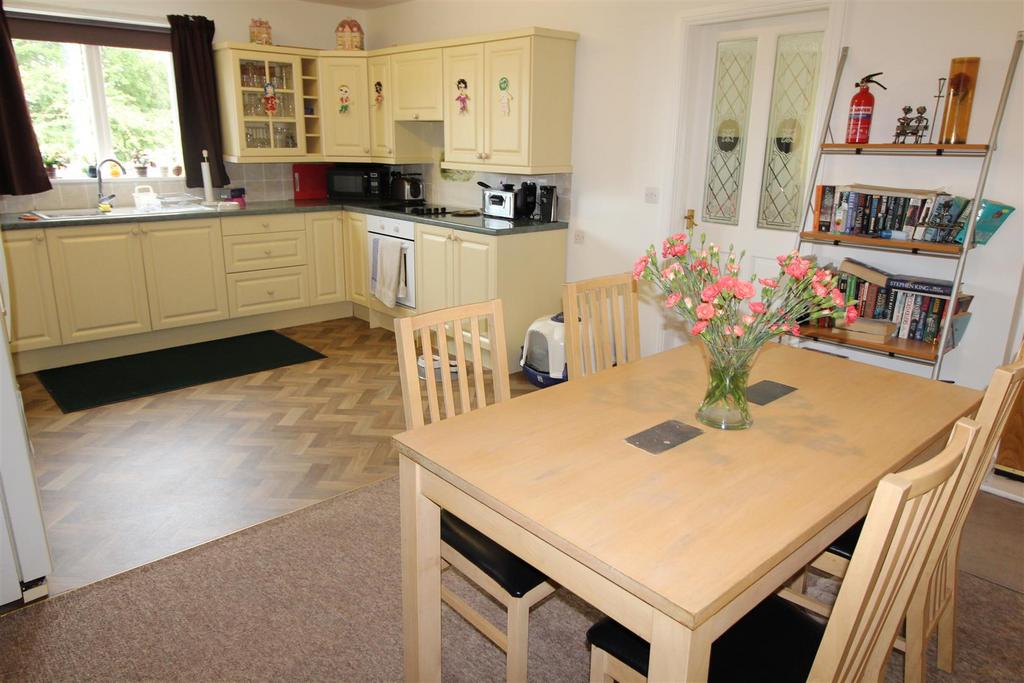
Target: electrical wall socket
(651, 195)
(577, 236)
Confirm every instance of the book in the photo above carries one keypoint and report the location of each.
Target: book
(864, 271)
(991, 215)
(924, 285)
(907, 317)
(824, 211)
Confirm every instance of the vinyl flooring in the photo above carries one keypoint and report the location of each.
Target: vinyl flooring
(125, 484)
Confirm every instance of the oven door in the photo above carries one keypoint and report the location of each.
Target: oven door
(408, 299)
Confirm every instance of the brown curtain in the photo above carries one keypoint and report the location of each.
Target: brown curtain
(21, 165)
(58, 29)
(198, 110)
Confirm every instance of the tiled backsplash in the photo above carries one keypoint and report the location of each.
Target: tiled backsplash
(467, 194)
(267, 182)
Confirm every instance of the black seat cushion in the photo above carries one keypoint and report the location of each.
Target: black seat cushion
(511, 573)
(776, 641)
(847, 543)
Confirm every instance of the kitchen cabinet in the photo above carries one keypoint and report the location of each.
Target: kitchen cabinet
(325, 235)
(454, 267)
(357, 278)
(184, 266)
(99, 281)
(418, 92)
(345, 114)
(260, 95)
(381, 94)
(33, 309)
(508, 105)
(411, 141)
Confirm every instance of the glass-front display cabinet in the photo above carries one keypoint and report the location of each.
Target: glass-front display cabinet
(264, 92)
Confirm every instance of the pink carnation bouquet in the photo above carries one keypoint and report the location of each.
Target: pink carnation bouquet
(734, 317)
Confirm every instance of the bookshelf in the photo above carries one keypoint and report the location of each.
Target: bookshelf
(906, 349)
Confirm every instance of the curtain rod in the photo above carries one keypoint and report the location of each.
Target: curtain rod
(123, 24)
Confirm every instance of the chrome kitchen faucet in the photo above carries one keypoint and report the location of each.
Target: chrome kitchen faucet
(100, 199)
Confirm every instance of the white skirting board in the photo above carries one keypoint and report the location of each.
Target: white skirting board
(1004, 487)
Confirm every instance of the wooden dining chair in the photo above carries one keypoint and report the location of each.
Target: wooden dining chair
(464, 333)
(934, 606)
(601, 323)
(905, 533)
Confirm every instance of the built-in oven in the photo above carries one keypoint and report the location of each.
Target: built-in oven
(379, 228)
(353, 181)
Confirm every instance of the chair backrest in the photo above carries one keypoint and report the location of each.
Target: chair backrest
(908, 523)
(447, 333)
(601, 323)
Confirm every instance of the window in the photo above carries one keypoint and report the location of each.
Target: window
(91, 102)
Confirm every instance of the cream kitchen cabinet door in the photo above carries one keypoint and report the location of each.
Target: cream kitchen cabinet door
(99, 281)
(184, 263)
(33, 309)
(434, 254)
(325, 237)
(345, 113)
(357, 280)
(464, 103)
(418, 91)
(474, 267)
(381, 98)
(507, 111)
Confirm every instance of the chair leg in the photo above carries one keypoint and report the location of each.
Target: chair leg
(916, 640)
(518, 638)
(599, 666)
(947, 634)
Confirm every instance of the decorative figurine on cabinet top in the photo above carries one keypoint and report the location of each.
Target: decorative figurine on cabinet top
(259, 32)
(349, 35)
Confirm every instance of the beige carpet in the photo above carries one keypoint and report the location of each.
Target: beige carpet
(993, 541)
(315, 595)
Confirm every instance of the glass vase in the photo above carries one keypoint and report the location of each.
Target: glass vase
(725, 401)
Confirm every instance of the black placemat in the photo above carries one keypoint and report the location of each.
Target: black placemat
(664, 436)
(101, 382)
(764, 392)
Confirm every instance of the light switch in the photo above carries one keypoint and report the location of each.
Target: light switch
(651, 195)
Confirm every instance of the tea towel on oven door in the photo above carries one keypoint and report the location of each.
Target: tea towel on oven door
(387, 271)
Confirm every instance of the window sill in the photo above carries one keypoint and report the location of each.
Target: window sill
(115, 179)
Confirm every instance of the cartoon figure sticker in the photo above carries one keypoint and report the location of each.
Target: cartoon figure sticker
(463, 97)
(343, 99)
(269, 99)
(504, 96)
(378, 99)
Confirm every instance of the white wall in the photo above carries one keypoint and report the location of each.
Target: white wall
(629, 61)
(293, 22)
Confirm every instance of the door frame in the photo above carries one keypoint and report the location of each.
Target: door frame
(689, 112)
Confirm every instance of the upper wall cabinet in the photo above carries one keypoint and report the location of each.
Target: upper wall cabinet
(418, 85)
(345, 117)
(260, 95)
(508, 105)
(411, 141)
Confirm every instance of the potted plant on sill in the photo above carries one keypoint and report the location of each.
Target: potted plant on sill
(53, 161)
(142, 163)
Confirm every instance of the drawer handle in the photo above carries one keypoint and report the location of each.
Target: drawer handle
(270, 292)
(266, 226)
(268, 252)
(415, 116)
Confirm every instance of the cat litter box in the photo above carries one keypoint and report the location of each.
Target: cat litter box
(543, 353)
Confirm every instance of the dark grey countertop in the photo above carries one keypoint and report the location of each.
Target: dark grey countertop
(478, 224)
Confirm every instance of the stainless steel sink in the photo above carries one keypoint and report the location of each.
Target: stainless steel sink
(61, 214)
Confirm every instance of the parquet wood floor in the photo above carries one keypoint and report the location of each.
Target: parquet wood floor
(129, 483)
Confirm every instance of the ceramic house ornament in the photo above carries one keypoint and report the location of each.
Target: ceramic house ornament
(259, 32)
(349, 35)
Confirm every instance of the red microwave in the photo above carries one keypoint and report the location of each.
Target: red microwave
(309, 181)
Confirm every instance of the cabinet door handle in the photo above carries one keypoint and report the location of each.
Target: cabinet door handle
(143, 229)
(387, 150)
(266, 226)
(40, 238)
(270, 292)
(268, 252)
(366, 149)
(457, 238)
(479, 155)
(135, 231)
(415, 116)
(448, 237)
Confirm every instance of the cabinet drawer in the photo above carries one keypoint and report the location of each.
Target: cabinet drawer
(254, 225)
(258, 252)
(267, 290)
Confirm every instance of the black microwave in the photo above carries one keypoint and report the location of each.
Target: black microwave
(351, 181)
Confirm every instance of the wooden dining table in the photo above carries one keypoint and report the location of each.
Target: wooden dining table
(675, 546)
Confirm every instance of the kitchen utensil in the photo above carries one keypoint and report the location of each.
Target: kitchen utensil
(483, 185)
(500, 203)
(409, 187)
(145, 199)
(526, 200)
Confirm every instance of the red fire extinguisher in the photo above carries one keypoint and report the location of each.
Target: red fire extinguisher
(862, 106)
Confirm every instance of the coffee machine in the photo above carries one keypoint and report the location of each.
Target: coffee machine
(547, 203)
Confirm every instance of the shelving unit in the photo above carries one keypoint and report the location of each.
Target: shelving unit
(311, 104)
(911, 350)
